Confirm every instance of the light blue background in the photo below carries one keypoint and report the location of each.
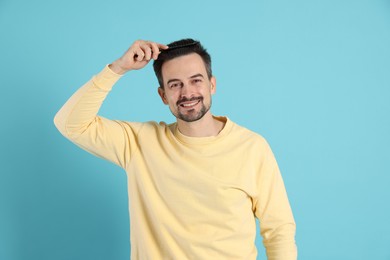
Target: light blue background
(313, 77)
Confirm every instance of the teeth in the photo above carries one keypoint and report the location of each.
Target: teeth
(190, 104)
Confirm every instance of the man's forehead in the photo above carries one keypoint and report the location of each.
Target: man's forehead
(184, 69)
(184, 62)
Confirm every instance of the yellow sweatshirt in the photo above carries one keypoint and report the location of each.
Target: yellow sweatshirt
(189, 198)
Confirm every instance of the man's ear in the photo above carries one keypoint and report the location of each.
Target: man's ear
(213, 85)
(161, 92)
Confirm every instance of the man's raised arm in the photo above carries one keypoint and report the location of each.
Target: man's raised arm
(78, 121)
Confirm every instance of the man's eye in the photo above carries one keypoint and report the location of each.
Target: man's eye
(175, 85)
(197, 80)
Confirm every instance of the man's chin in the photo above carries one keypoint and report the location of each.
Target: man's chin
(191, 115)
(190, 118)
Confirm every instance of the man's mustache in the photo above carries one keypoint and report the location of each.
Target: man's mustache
(188, 99)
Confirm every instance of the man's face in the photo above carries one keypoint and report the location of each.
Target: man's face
(187, 88)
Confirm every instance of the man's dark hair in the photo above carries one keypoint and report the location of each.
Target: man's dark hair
(181, 48)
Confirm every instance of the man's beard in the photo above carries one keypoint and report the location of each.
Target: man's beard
(192, 115)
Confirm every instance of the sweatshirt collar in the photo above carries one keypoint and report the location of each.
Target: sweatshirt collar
(205, 140)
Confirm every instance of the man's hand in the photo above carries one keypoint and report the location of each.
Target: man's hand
(137, 56)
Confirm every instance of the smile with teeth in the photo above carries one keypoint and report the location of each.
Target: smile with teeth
(189, 104)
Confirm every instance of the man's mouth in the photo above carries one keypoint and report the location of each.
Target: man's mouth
(190, 103)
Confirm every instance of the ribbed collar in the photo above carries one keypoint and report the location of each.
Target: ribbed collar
(205, 140)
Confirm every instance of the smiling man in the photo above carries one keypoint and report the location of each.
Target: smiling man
(186, 108)
(195, 186)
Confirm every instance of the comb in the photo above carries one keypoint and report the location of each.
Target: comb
(176, 47)
(182, 45)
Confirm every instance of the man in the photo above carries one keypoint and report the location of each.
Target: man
(195, 186)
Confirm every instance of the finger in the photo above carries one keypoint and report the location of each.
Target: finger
(155, 49)
(159, 47)
(147, 50)
(138, 54)
(162, 46)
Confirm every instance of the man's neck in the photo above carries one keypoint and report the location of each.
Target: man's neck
(204, 127)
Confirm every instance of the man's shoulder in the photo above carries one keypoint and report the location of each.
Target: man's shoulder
(250, 140)
(246, 133)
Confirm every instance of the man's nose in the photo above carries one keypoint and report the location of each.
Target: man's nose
(187, 90)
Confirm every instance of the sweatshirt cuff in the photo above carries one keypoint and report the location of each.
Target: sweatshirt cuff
(106, 78)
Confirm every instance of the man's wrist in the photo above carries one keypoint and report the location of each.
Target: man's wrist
(116, 68)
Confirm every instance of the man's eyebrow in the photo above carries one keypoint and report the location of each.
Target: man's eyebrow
(196, 75)
(172, 80)
(192, 77)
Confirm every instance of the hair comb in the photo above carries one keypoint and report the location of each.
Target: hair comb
(179, 46)
(182, 45)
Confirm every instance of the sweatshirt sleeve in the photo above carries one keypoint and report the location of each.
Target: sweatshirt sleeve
(78, 121)
(272, 208)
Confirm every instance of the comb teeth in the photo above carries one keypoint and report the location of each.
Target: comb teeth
(176, 47)
(182, 45)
